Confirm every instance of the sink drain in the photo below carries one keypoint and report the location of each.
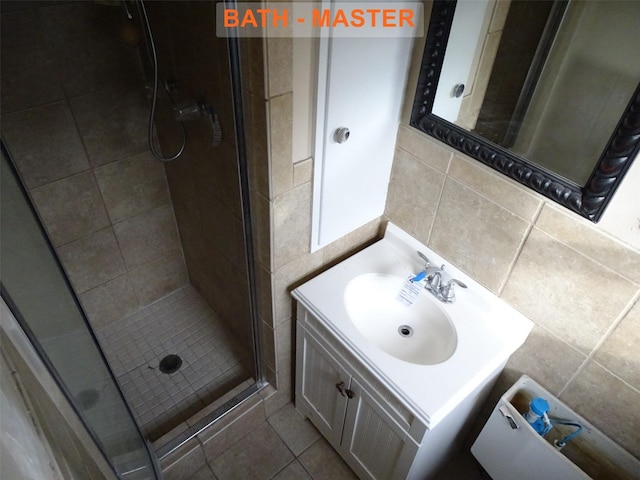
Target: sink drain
(405, 330)
(170, 364)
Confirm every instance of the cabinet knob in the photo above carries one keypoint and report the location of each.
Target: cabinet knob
(341, 135)
(350, 393)
(340, 387)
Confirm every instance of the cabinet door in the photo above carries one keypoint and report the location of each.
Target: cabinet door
(373, 443)
(317, 389)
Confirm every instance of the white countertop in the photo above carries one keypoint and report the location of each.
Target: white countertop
(488, 329)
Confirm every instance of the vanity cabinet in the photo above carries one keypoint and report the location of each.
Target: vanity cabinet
(363, 419)
(351, 416)
(388, 415)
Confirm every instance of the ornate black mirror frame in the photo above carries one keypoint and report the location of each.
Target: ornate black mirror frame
(589, 200)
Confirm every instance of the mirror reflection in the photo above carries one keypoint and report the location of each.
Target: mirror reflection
(548, 80)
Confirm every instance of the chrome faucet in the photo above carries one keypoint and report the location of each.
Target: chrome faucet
(435, 282)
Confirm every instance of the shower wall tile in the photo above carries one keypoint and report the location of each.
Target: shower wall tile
(148, 236)
(44, 143)
(108, 66)
(257, 143)
(24, 68)
(71, 208)
(110, 302)
(216, 169)
(132, 186)
(76, 24)
(607, 402)
(92, 260)
(480, 236)
(575, 306)
(221, 228)
(159, 278)
(112, 123)
(618, 353)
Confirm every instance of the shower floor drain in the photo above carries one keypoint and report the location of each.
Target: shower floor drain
(170, 364)
(87, 398)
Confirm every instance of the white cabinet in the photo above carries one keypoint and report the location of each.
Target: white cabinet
(349, 415)
(364, 420)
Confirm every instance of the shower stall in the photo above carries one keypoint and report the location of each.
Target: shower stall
(133, 277)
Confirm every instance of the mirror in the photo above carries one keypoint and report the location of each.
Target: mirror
(545, 92)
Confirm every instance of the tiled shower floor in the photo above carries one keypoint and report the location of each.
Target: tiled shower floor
(180, 324)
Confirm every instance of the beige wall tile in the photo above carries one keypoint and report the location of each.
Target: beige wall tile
(477, 235)
(132, 186)
(159, 278)
(291, 225)
(498, 189)
(264, 287)
(92, 260)
(121, 128)
(280, 64)
(288, 277)
(607, 402)
(562, 290)
(302, 172)
(422, 147)
(352, 242)
(148, 236)
(55, 152)
(67, 220)
(619, 352)
(582, 235)
(261, 220)
(257, 142)
(281, 124)
(253, 65)
(414, 192)
(109, 302)
(216, 169)
(268, 346)
(546, 358)
(222, 229)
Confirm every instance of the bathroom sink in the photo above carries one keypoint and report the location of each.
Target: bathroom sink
(421, 333)
(434, 354)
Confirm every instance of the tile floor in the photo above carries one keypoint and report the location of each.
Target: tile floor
(286, 446)
(180, 324)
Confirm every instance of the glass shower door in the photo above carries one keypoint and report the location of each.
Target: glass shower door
(37, 291)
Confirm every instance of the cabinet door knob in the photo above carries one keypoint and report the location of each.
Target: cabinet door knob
(350, 393)
(340, 386)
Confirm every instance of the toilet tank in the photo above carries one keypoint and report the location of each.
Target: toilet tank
(508, 447)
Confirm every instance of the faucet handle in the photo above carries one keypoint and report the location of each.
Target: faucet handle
(427, 263)
(448, 293)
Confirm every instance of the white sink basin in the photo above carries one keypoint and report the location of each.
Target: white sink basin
(455, 347)
(421, 333)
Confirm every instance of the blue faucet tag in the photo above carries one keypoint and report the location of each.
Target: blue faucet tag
(410, 291)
